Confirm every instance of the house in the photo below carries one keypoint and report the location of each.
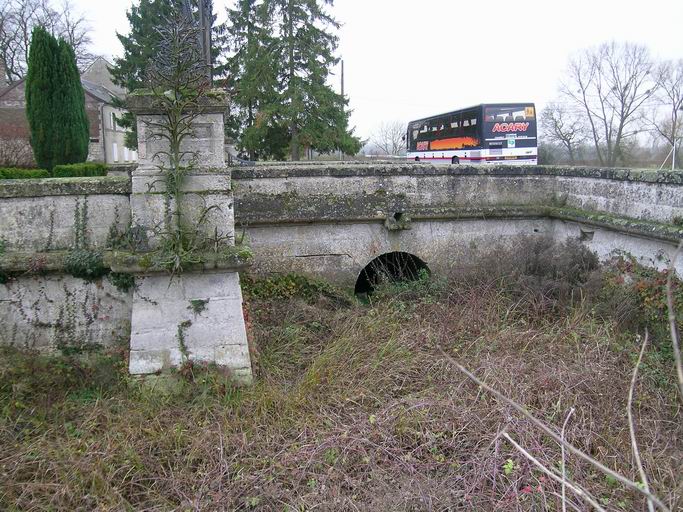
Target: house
(106, 136)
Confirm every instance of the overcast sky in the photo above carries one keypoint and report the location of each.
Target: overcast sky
(410, 59)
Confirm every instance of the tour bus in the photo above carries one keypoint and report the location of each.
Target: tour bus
(492, 133)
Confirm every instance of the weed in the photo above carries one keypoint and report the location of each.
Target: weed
(197, 306)
(354, 408)
(85, 264)
(122, 282)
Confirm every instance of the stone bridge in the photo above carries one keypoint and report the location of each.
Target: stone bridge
(332, 220)
(326, 220)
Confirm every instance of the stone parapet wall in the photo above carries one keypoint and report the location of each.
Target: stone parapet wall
(53, 310)
(45, 215)
(328, 220)
(331, 220)
(345, 169)
(338, 192)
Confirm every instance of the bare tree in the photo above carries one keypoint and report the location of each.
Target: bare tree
(563, 127)
(18, 18)
(389, 138)
(610, 84)
(665, 118)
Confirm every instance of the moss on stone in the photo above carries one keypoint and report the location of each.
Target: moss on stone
(100, 185)
(230, 258)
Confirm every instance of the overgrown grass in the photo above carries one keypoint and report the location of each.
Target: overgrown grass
(353, 409)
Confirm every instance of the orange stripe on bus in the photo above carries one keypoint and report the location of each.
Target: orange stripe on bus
(454, 143)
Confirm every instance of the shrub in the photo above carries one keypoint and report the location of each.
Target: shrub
(15, 150)
(553, 273)
(55, 102)
(9, 173)
(85, 264)
(79, 170)
(287, 286)
(635, 296)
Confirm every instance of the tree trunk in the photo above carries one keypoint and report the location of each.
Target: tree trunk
(295, 142)
(293, 128)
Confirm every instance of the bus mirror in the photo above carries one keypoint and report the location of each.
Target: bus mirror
(403, 138)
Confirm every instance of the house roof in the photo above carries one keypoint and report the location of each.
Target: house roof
(11, 87)
(98, 92)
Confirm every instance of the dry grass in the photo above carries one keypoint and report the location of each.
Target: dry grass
(354, 409)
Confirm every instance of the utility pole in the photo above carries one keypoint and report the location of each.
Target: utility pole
(341, 155)
(673, 153)
(204, 36)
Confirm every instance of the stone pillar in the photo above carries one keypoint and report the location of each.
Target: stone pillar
(195, 314)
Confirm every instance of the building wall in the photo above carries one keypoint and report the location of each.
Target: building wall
(115, 150)
(98, 73)
(103, 135)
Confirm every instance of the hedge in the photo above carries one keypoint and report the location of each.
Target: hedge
(79, 170)
(11, 173)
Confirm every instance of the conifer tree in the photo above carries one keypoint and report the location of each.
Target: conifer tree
(55, 103)
(141, 44)
(283, 51)
(314, 113)
(253, 78)
(71, 119)
(41, 86)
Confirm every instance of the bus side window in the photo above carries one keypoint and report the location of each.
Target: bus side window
(456, 126)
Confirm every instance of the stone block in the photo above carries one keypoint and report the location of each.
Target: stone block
(193, 315)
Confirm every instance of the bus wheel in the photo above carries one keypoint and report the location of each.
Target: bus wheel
(417, 158)
(455, 160)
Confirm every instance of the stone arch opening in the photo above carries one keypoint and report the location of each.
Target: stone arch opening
(389, 267)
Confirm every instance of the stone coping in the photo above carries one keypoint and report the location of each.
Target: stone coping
(98, 185)
(343, 170)
(233, 258)
(36, 263)
(142, 101)
(646, 229)
(121, 185)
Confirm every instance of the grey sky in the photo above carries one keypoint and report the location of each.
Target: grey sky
(409, 59)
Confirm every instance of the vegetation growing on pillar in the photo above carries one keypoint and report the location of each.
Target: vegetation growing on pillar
(198, 306)
(182, 344)
(179, 87)
(122, 282)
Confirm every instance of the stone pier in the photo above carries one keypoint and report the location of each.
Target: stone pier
(195, 314)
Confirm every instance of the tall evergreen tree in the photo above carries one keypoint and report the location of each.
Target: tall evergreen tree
(141, 44)
(41, 88)
(282, 52)
(71, 120)
(55, 103)
(253, 78)
(314, 113)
